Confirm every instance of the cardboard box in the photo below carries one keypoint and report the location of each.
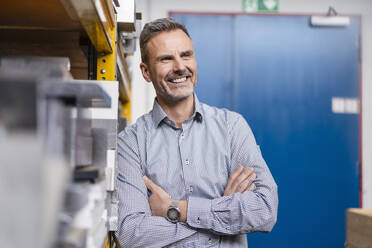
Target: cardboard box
(358, 228)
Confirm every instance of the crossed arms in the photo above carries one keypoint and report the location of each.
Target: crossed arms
(243, 208)
(159, 201)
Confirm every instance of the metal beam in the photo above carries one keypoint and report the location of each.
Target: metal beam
(96, 18)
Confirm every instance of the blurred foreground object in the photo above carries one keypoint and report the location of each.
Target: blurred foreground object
(359, 228)
(57, 155)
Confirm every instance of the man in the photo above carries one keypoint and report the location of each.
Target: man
(190, 175)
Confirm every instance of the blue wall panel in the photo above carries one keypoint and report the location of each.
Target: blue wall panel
(288, 73)
(281, 74)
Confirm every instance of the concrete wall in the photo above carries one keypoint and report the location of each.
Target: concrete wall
(143, 94)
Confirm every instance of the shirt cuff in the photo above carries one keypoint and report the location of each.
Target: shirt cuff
(199, 213)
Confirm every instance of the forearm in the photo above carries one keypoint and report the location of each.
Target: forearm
(253, 211)
(141, 230)
(183, 209)
(250, 211)
(137, 227)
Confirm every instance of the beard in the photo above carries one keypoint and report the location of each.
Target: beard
(176, 95)
(167, 90)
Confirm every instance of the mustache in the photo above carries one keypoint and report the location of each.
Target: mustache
(175, 75)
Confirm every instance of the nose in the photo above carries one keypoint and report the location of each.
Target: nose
(179, 65)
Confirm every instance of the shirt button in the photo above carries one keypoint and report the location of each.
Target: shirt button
(182, 136)
(191, 189)
(209, 241)
(187, 162)
(198, 221)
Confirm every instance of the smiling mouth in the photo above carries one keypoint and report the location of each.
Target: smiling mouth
(178, 80)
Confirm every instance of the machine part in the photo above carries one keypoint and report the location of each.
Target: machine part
(37, 67)
(76, 197)
(82, 93)
(100, 146)
(113, 219)
(72, 238)
(92, 212)
(110, 179)
(18, 110)
(36, 190)
(110, 129)
(97, 235)
(110, 170)
(70, 121)
(84, 150)
(55, 126)
(88, 173)
(126, 17)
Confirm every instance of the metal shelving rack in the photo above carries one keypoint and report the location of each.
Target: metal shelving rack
(85, 31)
(64, 28)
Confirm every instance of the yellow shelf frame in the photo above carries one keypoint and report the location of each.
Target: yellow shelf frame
(98, 19)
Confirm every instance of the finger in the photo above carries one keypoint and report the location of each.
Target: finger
(149, 183)
(241, 178)
(234, 176)
(243, 186)
(251, 187)
(252, 176)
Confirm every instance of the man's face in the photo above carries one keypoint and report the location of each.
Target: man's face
(171, 65)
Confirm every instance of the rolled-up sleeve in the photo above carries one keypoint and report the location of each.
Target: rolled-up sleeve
(251, 211)
(137, 228)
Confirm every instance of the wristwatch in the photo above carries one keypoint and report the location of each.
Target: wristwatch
(173, 213)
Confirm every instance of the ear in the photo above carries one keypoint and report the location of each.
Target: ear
(145, 72)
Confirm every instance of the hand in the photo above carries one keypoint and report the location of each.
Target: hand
(239, 180)
(159, 200)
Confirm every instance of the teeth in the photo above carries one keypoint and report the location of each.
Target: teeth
(179, 80)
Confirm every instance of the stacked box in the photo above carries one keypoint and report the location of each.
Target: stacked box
(359, 228)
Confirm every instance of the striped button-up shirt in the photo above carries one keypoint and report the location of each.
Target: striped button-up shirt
(192, 163)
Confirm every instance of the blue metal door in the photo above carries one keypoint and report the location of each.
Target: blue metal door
(283, 75)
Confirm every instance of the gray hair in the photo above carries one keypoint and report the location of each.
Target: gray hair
(155, 27)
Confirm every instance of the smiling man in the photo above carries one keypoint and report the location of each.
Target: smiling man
(190, 175)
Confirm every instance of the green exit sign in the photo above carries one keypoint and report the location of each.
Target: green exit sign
(260, 5)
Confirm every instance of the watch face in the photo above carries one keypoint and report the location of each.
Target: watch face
(173, 214)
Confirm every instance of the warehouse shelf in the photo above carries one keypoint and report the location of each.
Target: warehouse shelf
(86, 32)
(97, 17)
(37, 15)
(62, 28)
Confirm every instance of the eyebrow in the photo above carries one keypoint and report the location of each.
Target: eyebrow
(163, 56)
(188, 52)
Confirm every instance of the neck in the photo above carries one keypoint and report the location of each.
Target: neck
(179, 111)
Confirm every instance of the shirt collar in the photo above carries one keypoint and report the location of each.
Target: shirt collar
(158, 113)
(198, 114)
